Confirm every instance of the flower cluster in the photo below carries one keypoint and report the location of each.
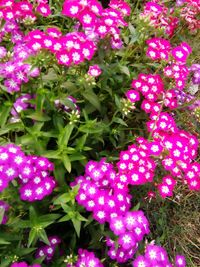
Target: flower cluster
(160, 16)
(24, 264)
(14, 71)
(130, 230)
(69, 49)
(105, 193)
(152, 88)
(175, 148)
(86, 259)
(33, 173)
(3, 208)
(189, 12)
(98, 22)
(23, 11)
(101, 191)
(72, 48)
(156, 256)
(160, 49)
(48, 250)
(179, 150)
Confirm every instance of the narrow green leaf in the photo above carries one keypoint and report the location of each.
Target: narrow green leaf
(93, 99)
(76, 156)
(38, 116)
(66, 208)
(64, 198)
(23, 224)
(125, 70)
(42, 234)
(18, 126)
(4, 113)
(80, 217)
(48, 217)
(136, 207)
(52, 154)
(4, 242)
(64, 136)
(40, 98)
(81, 142)
(32, 236)
(65, 218)
(77, 226)
(67, 163)
(33, 216)
(2, 211)
(120, 121)
(24, 251)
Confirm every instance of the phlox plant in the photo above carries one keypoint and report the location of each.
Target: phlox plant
(97, 156)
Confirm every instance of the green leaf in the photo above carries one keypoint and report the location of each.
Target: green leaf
(32, 236)
(23, 251)
(65, 218)
(76, 156)
(4, 113)
(49, 217)
(125, 70)
(80, 217)
(67, 163)
(120, 121)
(39, 101)
(67, 209)
(136, 207)
(4, 242)
(81, 142)
(39, 260)
(2, 211)
(64, 136)
(38, 116)
(69, 85)
(18, 126)
(93, 99)
(77, 226)
(33, 216)
(64, 198)
(23, 224)
(50, 76)
(117, 102)
(52, 154)
(42, 234)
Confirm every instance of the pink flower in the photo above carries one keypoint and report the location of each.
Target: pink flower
(180, 261)
(43, 9)
(133, 95)
(71, 9)
(165, 190)
(179, 54)
(94, 71)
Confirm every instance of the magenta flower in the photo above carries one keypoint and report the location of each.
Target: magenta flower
(180, 261)
(94, 71)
